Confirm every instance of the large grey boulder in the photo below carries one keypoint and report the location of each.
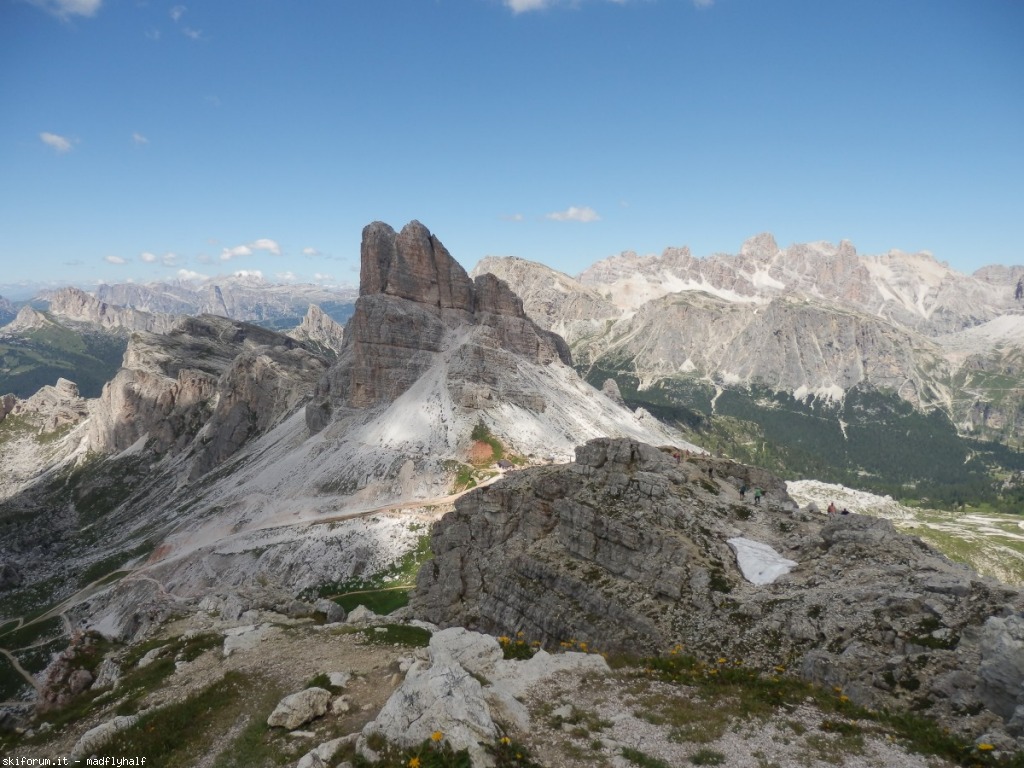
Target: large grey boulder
(92, 741)
(299, 708)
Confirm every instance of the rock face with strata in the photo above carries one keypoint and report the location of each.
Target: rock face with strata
(629, 550)
(415, 301)
(229, 379)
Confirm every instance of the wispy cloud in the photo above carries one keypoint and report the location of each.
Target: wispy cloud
(512, 217)
(524, 6)
(585, 214)
(262, 244)
(703, 3)
(320, 277)
(114, 260)
(310, 252)
(177, 12)
(58, 142)
(169, 259)
(188, 274)
(233, 253)
(148, 258)
(192, 34)
(249, 273)
(139, 139)
(266, 244)
(65, 9)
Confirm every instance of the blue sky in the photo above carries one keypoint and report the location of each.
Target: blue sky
(143, 140)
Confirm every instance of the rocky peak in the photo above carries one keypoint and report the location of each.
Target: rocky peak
(761, 247)
(320, 330)
(414, 302)
(414, 265)
(26, 320)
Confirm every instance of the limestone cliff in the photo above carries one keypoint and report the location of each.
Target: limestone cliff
(228, 379)
(629, 550)
(415, 301)
(76, 305)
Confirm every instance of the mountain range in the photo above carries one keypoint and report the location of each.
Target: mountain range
(237, 479)
(844, 344)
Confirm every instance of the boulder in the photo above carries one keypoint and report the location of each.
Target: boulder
(300, 708)
(92, 741)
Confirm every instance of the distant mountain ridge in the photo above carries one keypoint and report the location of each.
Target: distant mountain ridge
(810, 324)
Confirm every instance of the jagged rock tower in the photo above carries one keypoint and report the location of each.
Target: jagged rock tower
(414, 300)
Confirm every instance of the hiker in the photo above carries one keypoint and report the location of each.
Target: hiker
(758, 493)
(711, 473)
(676, 456)
(743, 491)
(831, 507)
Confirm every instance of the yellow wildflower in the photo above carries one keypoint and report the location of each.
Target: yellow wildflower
(986, 747)
(414, 762)
(844, 699)
(436, 736)
(722, 660)
(505, 740)
(779, 668)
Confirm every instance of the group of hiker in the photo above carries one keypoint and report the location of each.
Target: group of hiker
(758, 493)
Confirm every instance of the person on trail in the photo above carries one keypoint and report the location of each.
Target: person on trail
(743, 491)
(832, 508)
(758, 493)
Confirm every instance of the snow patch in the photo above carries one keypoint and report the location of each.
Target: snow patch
(759, 563)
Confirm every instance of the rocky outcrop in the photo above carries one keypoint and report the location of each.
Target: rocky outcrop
(319, 331)
(414, 302)
(556, 302)
(629, 550)
(76, 305)
(50, 408)
(463, 688)
(229, 379)
(27, 319)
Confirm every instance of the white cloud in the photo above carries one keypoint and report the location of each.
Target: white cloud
(233, 253)
(114, 260)
(703, 3)
(188, 274)
(266, 244)
(147, 257)
(64, 9)
(152, 33)
(310, 252)
(512, 217)
(192, 34)
(59, 143)
(524, 6)
(262, 244)
(586, 214)
(139, 139)
(249, 273)
(169, 259)
(177, 12)
(320, 277)
(286, 277)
